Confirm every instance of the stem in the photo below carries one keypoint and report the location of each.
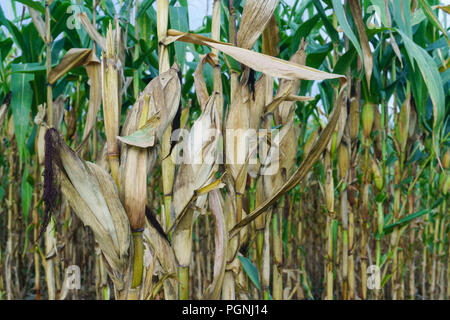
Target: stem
(138, 260)
(49, 238)
(183, 277)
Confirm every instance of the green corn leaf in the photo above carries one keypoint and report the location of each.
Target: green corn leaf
(404, 221)
(179, 20)
(144, 6)
(251, 271)
(328, 26)
(432, 17)
(26, 192)
(21, 105)
(433, 81)
(33, 4)
(340, 14)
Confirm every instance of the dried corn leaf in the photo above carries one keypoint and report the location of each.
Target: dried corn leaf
(257, 61)
(360, 26)
(145, 137)
(93, 69)
(58, 111)
(271, 38)
(91, 31)
(255, 16)
(199, 81)
(75, 57)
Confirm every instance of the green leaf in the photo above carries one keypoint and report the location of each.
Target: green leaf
(331, 31)
(251, 271)
(432, 17)
(144, 6)
(33, 4)
(432, 79)
(340, 14)
(179, 20)
(26, 192)
(402, 15)
(21, 104)
(302, 32)
(345, 61)
(402, 222)
(15, 33)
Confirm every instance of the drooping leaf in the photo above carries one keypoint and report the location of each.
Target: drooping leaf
(259, 62)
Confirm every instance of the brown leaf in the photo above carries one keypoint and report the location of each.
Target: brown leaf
(367, 52)
(75, 57)
(257, 61)
(255, 16)
(91, 31)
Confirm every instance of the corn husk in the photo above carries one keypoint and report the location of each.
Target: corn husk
(194, 173)
(367, 117)
(402, 125)
(93, 196)
(111, 68)
(143, 128)
(166, 257)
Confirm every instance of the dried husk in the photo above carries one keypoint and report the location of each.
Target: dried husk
(143, 128)
(195, 172)
(93, 196)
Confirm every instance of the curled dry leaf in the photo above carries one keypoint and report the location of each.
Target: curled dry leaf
(156, 108)
(93, 69)
(75, 57)
(199, 81)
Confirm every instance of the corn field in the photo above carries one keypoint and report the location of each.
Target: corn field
(283, 150)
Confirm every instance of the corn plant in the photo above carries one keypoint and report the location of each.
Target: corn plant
(279, 150)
